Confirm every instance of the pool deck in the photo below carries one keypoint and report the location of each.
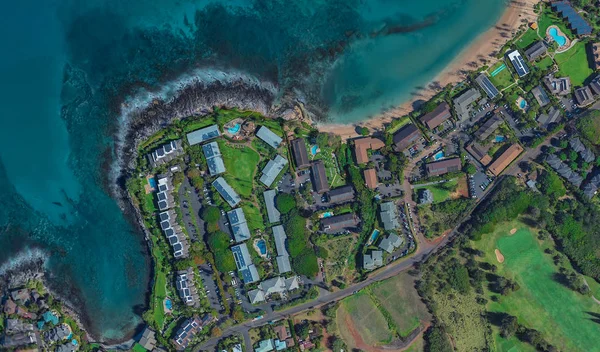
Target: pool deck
(568, 44)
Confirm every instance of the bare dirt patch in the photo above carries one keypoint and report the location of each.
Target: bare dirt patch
(499, 256)
(462, 189)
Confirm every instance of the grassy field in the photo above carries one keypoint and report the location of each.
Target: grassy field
(502, 79)
(398, 124)
(369, 321)
(441, 191)
(574, 63)
(529, 37)
(510, 345)
(398, 296)
(542, 303)
(160, 286)
(545, 63)
(149, 202)
(240, 163)
(253, 217)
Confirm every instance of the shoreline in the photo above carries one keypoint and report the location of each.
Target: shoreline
(485, 46)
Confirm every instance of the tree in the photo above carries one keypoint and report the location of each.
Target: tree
(285, 202)
(211, 215)
(550, 184)
(509, 326)
(470, 169)
(363, 131)
(437, 340)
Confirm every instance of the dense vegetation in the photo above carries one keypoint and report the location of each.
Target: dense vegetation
(304, 259)
(589, 126)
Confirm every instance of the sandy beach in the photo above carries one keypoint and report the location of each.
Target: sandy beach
(485, 47)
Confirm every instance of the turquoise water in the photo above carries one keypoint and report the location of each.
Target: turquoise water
(169, 304)
(327, 214)
(152, 182)
(314, 149)
(374, 235)
(500, 139)
(67, 67)
(235, 129)
(523, 104)
(559, 39)
(439, 155)
(498, 70)
(262, 246)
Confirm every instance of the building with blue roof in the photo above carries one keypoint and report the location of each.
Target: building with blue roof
(239, 226)
(269, 137)
(272, 170)
(204, 134)
(244, 264)
(576, 22)
(273, 214)
(225, 190)
(518, 63)
(214, 160)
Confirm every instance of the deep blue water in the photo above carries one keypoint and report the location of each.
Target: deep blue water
(67, 66)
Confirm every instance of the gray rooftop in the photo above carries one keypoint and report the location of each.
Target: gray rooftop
(488, 87)
(214, 160)
(390, 243)
(389, 216)
(536, 50)
(239, 226)
(269, 137)
(204, 134)
(272, 170)
(461, 103)
(540, 95)
(273, 214)
(225, 190)
(244, 263)
(283, 261)
(373, 260)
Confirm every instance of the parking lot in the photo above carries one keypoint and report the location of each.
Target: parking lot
(478, 183)
(211, 291)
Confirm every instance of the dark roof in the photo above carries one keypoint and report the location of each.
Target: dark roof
(488, 128)
(341, 194)
(488, 87)
(576, 22)
(319, 177)
(436, 117)
(339, 223)
(584, 96)
(300, 153)
(406, 136)
(443, 166)
(540, 95)
(535, 50)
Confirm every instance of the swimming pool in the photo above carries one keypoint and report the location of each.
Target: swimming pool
(500, 139)
(559, 39)
(235, 129)
(374, 235)
(314, 149)
(498, 70)
(168, 304)
(523, 104)
(439, 155)
(152, 182)
(262, 246)
(327, 215)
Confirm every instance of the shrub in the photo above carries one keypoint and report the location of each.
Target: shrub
(285, 203)
(211, 215)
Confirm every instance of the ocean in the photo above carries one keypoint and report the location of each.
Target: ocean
(68, 66)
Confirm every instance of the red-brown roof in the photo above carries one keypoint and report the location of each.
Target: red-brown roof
(443, 166)
(505, 159)
(362, 145)
(435, 118)
(371, 178)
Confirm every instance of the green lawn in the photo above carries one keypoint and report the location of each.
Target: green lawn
(545, 63)
(502, 79)
(441, 191)
(160, 286)
(529, 37)
(398, 124)
(138, 348)
(149, 202)
(399, 297)
(253, 217)
(240, 162)
(197, 123)
(561, 315)
(331, 167)
(511, 345)
(367, 318)
(574, 63)
(548, 18)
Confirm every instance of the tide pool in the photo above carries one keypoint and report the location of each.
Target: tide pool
(68, 66)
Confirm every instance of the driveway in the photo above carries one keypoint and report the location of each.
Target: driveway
(191, 206)
(210, 287)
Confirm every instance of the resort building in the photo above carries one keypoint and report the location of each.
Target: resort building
(300, 153)
(204, 134)
(165, 153)
(277, 285)
(272, 213)
(372, 260)
(319, 177)
(436, 117)
(390, 243)
(545, 120)
(188, 329)
(518, 63)
(425, 196)
(480, 153)
(487, 86)
(272, 170)
(489, 127)
(558, 86)
(226, 192)
(595, 49)
(586, 154)
(243, 262)
(269, 137)
(577, 23)
(535, 50)
(164, 198)
(591, 188)
(212, 153)
(339, 223)
(371, 178)
(595, 85)
(185, 287)
(174, 235)
(148, 339)
(505, 159)
(362, 145)
(283, 258)
(341, 194)
(463, 102)
(388, 212)
(540, 95)
(563, 170)
(406, 136)
(239, 226)
(584, 96)
(441, 167)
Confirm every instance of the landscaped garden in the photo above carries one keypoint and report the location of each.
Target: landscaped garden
(500, 75)
(529, 37)
(574, 63)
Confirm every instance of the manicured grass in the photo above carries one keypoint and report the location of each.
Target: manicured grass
(398, 124)
(511, 345)
(138, 348)
(240, 162)
(253, 217)
(502, 79)
(367, 318)
(399, 297)
(560, 314)
(149, 202)
(574, 63)
(545, 63)
(529, 37)
(160, 286)
(331, 167)
(441, 191)
(273, 125)
(197, 123)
